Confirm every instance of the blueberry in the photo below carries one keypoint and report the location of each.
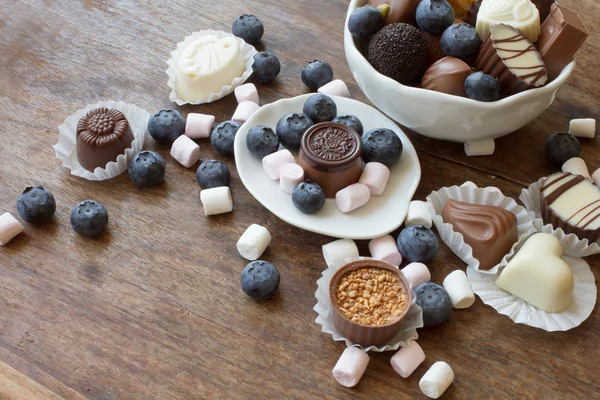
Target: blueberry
(223, 136)
(351, 121)
(435, 302)
(147, 169)
(248, 27)
(365, 21)
(266, 66)
(36, 205)
(482, 87)
(461, 41)
(308, 197)
(316, 73)
(291, 128)
(561, 147)
(383, 146)
(320, 108)
(262, 141)
(260, 279)
(434, 16)
(89, 218)
(418, 244)
(212, 173)
(166, 125)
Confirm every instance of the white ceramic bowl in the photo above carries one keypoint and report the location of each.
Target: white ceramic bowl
(443, 116)
(380, 216)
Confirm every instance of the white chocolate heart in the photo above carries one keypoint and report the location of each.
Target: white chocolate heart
(538, 274)
(520, 14)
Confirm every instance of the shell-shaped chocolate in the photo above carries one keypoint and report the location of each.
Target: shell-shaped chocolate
(102, 126)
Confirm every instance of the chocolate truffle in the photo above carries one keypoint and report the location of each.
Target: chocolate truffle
(400, 52)
(447, 75)
(400, 10)
(102, 134)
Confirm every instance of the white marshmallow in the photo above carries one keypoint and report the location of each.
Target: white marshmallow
(375, 175)
(290, 175)
(385, 248)
(185, 151)
(244, 111)
(407, 359)
(352, 197)
(596, 177)
(199, 126)
(576, 166)
(419, 214)
(253, 242)
(273, 162)
(458, 288)
(335, 88)
(416, 273)
(436, 380)
(584, 127)
(216, 200)
(351, 366)
(246, 92)
(9, 228)
(469, 184)
(480, 148)
(339, 250)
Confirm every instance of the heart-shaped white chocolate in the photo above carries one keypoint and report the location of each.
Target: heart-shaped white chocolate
(538, 274)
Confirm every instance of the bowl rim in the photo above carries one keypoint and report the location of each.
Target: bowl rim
(351, 48)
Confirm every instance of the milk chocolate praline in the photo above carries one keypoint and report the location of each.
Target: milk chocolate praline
(447, 75)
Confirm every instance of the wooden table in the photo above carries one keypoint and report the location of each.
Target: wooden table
(153, 309)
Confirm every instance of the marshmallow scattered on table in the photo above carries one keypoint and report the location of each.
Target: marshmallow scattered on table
(416, 273)
(596, 177)
(244, 111)
(419, 214)
(199, 126)
(352, 197)
(246, 92)
(385, 248)
(576, 166)
(436, 380)
(375, 176)
(185, 151)
(408, 359)
(584, 127)
(253, 242)
(458, 288)
(273, 162)
(216, 200)
(480, 148)
(339, 250)
(469, 184)
(9, 228)
(351, 366)
(290, 175)
(335, 88)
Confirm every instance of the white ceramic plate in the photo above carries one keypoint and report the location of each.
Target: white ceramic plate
(380, 216)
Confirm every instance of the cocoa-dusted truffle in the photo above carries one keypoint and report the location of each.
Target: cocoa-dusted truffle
(399, 51)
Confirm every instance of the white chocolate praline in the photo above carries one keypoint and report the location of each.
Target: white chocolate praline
(253, 242)
(520, 14)
(290, 175)
(9, 228)
(436, 380)
(339, 250)
(538, 275)
(419, 214)
(216, 200)
(576, 166)
(480, 148)
(459, 289)
(407, 359)
(351, 366)
(207, 65)
(583, 127)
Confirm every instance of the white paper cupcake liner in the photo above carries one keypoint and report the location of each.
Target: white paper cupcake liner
(521, 312)
(485, 196)
(66, 148)
(248, 53)
(413, 320)
(530, 197)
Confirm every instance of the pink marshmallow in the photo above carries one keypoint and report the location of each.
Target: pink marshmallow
(596, 177)
(244, 111)
(375, 176)
(198, 126)
(351, 366)
(352, 197)
(385, 248)
(335, 88)
(9, 228)
(416, 273)
(273, 162)
(246, 92)
(290, 175)
(185, 151)
(407, 359)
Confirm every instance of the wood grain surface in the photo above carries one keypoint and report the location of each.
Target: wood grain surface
(153, 309)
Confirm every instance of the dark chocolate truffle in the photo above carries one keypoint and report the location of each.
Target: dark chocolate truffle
(399, 51)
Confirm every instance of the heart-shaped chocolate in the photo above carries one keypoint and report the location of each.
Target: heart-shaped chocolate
(538, 274)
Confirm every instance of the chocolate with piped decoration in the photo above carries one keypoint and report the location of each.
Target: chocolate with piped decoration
(447, 75)
(400, 10)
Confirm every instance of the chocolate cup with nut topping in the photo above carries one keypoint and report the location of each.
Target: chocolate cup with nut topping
(363, 334)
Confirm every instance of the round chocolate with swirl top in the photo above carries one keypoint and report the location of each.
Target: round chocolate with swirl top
(331, 156)
(102, 134)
